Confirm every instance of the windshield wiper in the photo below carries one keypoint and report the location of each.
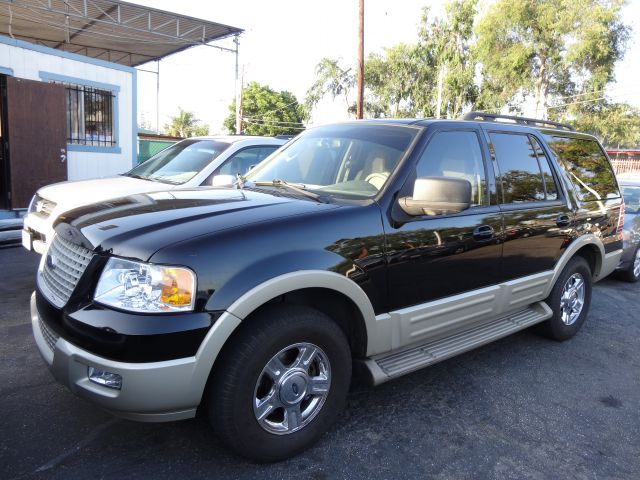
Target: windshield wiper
(294, 187)
(134, 175)
(163, 180)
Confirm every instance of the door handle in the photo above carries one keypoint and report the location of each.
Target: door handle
(63, 155)
(563, 220)
(483, 232)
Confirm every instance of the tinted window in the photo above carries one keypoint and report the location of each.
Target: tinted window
(457, 155)
(631, 198)
(242, 161)
(587, 167)
(180, 162)
(518, 164)
(543, 161)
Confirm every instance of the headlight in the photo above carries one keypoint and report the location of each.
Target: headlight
(142, 287)
(32, 204)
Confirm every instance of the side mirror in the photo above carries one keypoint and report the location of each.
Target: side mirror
(223, 181)
(437, 196)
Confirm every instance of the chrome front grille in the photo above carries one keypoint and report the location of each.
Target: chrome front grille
(63, 265)
(49, 335)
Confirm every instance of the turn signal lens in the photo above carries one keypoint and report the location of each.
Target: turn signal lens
(177, 286)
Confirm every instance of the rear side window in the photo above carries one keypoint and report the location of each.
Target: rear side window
(631, 198)
(519, 168)
(241, 162)
(587, 167)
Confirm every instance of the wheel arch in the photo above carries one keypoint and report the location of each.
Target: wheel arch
(588, 247)
(593, 257)
(335, 295)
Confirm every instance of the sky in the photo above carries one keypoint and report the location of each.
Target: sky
(283, 42)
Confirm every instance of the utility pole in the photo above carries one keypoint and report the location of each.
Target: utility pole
(238, 90)
(360, 99)
(241, 114)
(158, 97)
(440, 81)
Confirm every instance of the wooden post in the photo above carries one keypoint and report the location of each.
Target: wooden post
(360, 99)
(238, 90)
(239, 125)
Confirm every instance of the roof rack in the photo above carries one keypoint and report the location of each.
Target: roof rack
(532, 122)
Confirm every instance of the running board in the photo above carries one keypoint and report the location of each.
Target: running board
(390, 365)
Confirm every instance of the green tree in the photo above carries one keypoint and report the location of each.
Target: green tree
(550, 49)
(185, 124)
(332, 79)
(447, 86)
(403, 80)
(391, 82)
(615, 124)
(267, 112)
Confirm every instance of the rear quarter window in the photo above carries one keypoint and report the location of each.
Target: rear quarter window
(587, 166)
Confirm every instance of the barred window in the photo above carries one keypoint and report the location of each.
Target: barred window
(90, 117)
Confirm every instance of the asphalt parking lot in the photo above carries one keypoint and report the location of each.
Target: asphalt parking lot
(522, 407)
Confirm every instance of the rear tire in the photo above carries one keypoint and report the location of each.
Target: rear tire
(280, 384)
(569, 300)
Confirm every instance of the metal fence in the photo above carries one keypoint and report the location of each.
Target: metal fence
(147, 148)
(625, 161)
(625, 166)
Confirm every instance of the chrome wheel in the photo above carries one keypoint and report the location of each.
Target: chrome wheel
(572, 299)
(636, 264)
(292, 388)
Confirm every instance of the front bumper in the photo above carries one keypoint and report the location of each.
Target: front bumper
(154, 391)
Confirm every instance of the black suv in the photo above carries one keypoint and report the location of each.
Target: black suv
(383, 246)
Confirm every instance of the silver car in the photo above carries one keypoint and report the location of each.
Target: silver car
(629, 268)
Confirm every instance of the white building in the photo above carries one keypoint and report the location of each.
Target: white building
(100, 105)
(68, 108)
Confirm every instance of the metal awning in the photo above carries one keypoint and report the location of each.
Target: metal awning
(114, 31)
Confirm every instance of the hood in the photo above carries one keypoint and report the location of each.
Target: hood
(68, 195)
(138, 225)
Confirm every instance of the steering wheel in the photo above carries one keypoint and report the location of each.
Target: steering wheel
(377, 179)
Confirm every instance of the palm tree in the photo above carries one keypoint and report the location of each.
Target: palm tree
(185, 124)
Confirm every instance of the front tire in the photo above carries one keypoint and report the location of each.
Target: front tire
(280, 384)
(569, 300)
(632, 272)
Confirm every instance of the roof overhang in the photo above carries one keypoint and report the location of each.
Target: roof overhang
(108, 30)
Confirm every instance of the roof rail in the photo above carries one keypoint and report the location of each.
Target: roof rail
(532, 122)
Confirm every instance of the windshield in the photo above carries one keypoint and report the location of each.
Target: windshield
(353, 160)
(631, 198)
(180, 162)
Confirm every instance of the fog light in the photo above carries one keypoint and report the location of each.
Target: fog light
(106, 379)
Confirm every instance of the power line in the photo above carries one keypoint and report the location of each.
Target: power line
(277, 110)
(271, 121)
(275, 126)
